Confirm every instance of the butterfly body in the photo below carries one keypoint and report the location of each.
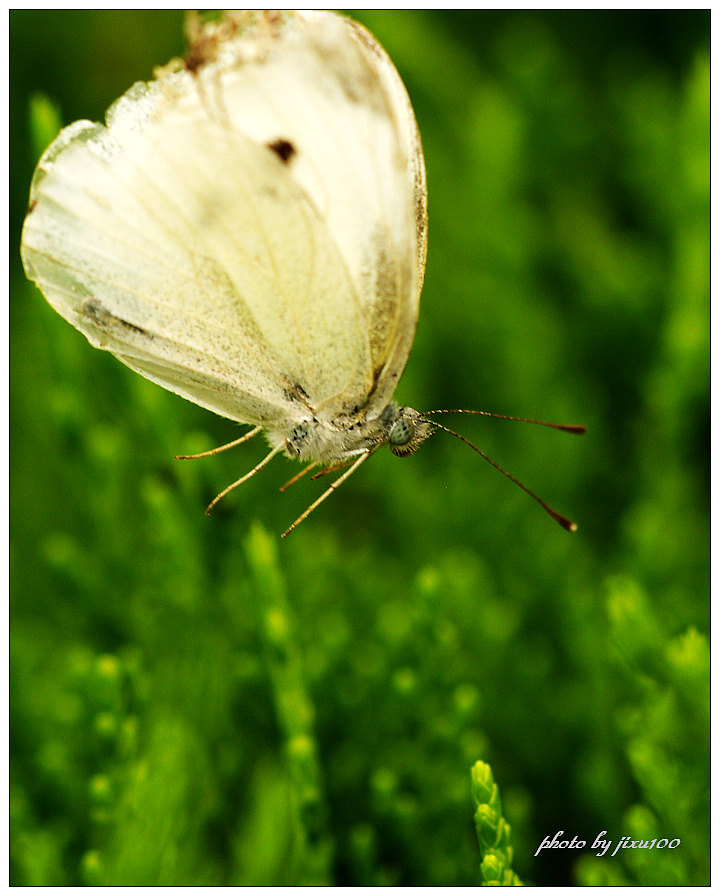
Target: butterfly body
(345, 437)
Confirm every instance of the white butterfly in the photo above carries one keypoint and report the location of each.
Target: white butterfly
(249, 231)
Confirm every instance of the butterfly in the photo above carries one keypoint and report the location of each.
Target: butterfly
(249, 231)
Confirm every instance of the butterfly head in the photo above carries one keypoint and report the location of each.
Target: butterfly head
(405, 430)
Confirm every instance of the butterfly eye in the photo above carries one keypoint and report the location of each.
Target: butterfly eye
(401, 432)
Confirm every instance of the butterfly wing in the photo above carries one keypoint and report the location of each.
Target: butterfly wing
(249, 234)
(364, 172)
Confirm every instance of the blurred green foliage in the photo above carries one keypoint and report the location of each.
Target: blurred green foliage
(195, 702)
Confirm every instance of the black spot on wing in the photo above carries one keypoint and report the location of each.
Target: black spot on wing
(301, 392)
(108, 322)
(295, 392)
(283, 149)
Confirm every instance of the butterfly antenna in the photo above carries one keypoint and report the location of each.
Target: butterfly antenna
(575, 428)
(564, 521)
(326, 494)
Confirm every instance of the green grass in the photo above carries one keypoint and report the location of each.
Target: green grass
(195, 701)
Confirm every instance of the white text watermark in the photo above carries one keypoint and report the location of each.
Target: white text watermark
(600, 846)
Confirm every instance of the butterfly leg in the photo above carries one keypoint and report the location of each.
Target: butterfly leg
(326, 494)
(276, 450)
(331, 469)
(299, 476)
(243, 438)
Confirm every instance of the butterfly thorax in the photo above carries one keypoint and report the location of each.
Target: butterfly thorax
(339, 438)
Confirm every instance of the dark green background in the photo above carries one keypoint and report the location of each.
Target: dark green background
(435, 616)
